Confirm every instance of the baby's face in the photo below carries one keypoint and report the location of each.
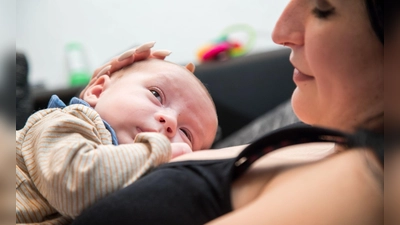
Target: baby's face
(157, 96)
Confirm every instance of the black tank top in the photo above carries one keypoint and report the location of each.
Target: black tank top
(195, 192)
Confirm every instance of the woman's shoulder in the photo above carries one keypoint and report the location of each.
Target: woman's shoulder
(347, 185)
(344, 188)
(356, 166)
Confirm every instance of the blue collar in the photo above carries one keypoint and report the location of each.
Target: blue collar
(55, 102)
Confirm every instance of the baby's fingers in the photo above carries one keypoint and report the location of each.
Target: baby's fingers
(143, 51)
(104, 70)
(128, 54)
(160, 54)
(128, 57)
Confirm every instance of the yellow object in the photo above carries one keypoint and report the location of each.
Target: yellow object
(205, 48)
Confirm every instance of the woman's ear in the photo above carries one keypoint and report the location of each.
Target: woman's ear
(94, 91)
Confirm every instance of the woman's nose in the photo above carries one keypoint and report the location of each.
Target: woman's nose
(289, 29)
(168, 122)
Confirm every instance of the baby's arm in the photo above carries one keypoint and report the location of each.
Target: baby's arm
(74, 164)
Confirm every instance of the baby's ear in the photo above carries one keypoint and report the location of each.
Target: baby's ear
(190, 67)
(93, 92)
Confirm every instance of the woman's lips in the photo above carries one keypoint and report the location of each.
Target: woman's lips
(301, 77)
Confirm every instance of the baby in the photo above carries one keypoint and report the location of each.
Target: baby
(123, 125)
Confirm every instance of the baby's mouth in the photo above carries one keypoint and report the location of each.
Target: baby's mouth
(140, 130)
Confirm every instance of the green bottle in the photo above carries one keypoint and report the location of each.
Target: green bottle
(77, 65)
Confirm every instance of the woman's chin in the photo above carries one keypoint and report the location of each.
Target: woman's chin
(302, 108)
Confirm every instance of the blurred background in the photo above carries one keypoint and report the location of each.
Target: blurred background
(101, 29)
(7, 111)
(59, 44)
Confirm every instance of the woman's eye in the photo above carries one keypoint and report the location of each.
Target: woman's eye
(322, 14)
(323, 9)
(157, 95)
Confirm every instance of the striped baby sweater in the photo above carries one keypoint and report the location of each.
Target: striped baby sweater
(65, 161)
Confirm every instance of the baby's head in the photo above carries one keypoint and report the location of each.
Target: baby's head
(155, 96)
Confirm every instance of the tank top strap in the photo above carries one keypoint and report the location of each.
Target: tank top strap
(298, 133)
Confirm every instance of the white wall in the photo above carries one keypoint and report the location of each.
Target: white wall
(108, 27)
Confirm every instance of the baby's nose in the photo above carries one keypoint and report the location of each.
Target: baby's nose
(168, 123)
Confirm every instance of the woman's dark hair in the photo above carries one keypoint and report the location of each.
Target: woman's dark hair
(375, 14)
(369, 138)
(392, 18)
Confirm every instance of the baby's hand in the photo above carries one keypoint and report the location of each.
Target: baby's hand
(180, 149)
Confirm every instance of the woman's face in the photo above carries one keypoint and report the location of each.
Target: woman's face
(338, 62)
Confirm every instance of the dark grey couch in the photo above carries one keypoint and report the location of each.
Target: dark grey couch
(251, 94)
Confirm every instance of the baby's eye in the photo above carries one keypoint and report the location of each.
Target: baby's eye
(157, 95)
(187, 133)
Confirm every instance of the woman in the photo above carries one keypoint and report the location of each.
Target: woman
(337, 50)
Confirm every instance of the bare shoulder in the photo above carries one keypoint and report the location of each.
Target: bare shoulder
(345, 188)
(356, 170)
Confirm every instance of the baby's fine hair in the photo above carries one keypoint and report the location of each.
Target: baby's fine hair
(138, 65)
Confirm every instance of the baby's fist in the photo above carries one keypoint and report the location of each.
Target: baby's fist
(180, 149)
